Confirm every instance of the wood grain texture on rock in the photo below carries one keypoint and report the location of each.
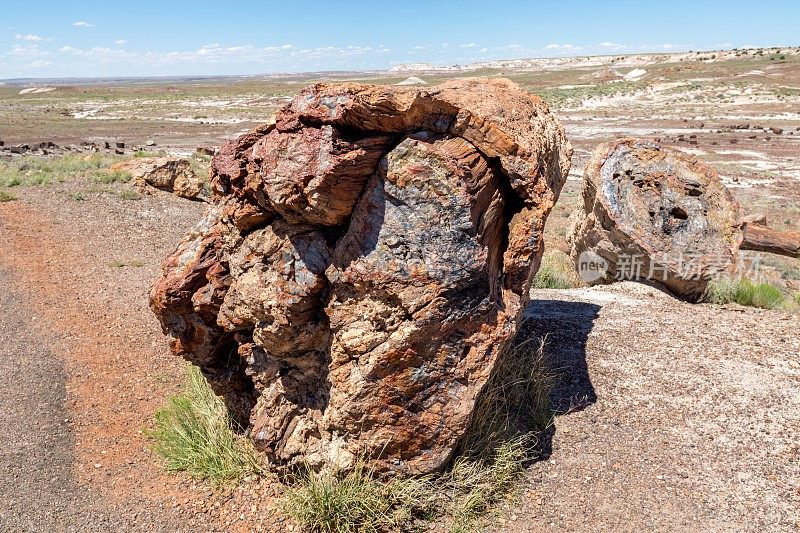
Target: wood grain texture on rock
(658, 214)
(365, 262)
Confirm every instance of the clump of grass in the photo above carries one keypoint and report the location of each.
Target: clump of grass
(556, 272)
(106, 176)
(149, 153)
(129, 194)
(77, 196)
(510, 413)
(357, 501)
(6, 197)
(744, 292)
(473, 486)
(194, 433)
(31, 170)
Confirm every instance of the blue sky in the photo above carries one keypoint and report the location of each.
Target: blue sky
(158, 38)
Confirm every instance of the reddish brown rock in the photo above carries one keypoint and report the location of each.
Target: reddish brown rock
(171, 174)
(366, 261)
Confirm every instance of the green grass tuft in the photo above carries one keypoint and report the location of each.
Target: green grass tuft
(31, 170)
(129, 194)
(745, 292)
(357, 501)
(194, 433)
(6, 197)
(106, 176)
(557, 271)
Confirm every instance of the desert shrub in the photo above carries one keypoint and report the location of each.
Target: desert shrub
(194, 433)
(77, 196)
(744, 292)
(6, 197)
(31, 170)
(556, 272)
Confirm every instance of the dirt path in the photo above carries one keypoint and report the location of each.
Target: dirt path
(82, 381)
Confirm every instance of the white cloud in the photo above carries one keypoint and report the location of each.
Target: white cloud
(30, 37)
(120, 41)
(27, 52)
(216, 53)
(468, 45)
(82, 24)
(567, 47)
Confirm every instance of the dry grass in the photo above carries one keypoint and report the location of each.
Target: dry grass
(356, 501)
(194, 433)
(557, 271)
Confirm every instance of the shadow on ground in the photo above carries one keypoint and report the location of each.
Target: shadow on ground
(565, 326)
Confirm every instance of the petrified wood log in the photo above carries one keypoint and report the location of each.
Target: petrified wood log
(365, 262)
(657, 214)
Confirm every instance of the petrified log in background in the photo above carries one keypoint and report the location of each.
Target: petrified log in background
(654, 213)
(366, 261)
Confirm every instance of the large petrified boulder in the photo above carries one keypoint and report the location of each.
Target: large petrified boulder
(658, 214)
(171, 174)
(365, 261)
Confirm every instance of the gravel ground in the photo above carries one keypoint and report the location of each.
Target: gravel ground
(674, 417)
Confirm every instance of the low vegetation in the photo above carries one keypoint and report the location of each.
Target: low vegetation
(745, 292)
(194, 433)
(129, 194)
(6, 197)
(557, 271)
(356, 501)
(502, 438)
(30, 170)
(572, 96)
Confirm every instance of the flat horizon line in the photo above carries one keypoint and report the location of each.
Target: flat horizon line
(390, 70)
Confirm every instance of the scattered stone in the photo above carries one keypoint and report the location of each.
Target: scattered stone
(365, 261)
(203, 150)
(169, 174)
(150, 142)
(120, 144)
(776, 130)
